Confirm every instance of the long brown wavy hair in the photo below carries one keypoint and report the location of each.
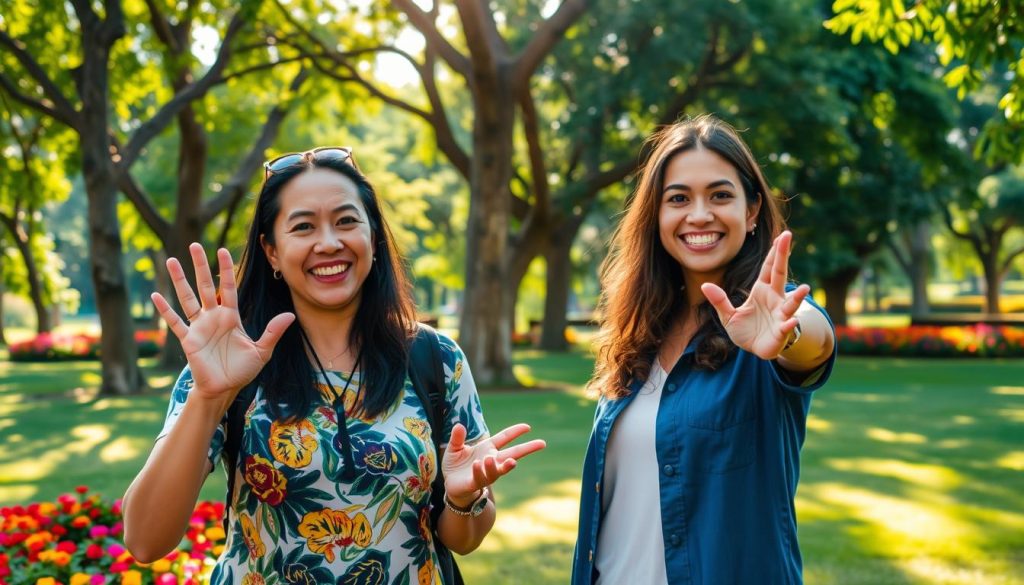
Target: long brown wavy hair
(640, 281)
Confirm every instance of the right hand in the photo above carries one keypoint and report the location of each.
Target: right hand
(222, 357)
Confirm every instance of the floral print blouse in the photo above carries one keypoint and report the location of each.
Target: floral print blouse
(295, 521)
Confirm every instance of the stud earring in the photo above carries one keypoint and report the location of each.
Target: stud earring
(753, 228)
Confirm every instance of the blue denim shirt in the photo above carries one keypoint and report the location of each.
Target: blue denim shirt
(728, 448)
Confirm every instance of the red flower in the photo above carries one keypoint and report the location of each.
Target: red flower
(82, 489)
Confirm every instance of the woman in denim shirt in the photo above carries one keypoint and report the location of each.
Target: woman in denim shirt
(706, 363)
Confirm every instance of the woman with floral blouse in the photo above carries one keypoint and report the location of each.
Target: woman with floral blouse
(333, 476)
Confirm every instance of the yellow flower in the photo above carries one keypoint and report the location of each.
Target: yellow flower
(418, 427)
(215, 533)
(160, 566)
(426, 575)
(251, 535)
(329, 528)
(458, 372)
(131, 578)
(61, 558)
(293, 444)
(80, 579)
(46, 581)
(253, 579)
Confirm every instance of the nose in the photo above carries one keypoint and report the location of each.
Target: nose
(700, 212)
(328, 242)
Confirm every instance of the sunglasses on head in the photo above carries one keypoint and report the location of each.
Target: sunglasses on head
(338, 153)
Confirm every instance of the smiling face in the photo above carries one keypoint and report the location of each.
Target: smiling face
(322, 242)
(703, 215)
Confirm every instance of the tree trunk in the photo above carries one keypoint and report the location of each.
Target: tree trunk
(556, 298)
(993, 281)
(920, 247)
(35, 287)
(118, 352)
(836, 287)
(485, 331)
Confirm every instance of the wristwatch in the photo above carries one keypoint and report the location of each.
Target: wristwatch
(474, 509)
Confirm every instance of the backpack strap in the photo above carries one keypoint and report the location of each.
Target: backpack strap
(233, 441)
(427, 375)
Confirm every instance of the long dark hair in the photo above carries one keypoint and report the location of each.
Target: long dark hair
(383, 324)
(641, 281)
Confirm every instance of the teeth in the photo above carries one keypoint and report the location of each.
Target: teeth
(700, 239)
(330, 270)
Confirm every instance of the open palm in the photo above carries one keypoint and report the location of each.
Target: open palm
(468, 468)
(221, 356)
(762, 323)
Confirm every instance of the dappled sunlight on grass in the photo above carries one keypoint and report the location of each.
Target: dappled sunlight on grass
(930, 476)
(122, 449)
(892, 525)
(887, 436)
(961, 419)
(1013, 460)
(1012, 414)
(1008, 390)
(818, 424)
(869, 397)
(932, 570)
(551, 517)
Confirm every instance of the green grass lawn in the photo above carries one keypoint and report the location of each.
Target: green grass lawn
(912, 471)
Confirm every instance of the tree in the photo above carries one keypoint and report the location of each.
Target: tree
(984, 217)
(976, 40)
(60, 65)
(497, 77)
(32, 178)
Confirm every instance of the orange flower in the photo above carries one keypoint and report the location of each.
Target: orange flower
(327, 528)
(81, 521)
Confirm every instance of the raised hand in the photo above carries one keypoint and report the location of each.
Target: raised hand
(762, 323)
(469, 468)
(222, 357)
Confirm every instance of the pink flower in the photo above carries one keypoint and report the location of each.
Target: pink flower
(115, 550)
(97, 579)
(99, 531)
(167, 579)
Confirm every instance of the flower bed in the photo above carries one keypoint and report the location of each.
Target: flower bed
(926, 341)
(77, 540)
(77, 346)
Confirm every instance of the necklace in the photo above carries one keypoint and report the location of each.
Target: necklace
(342, 438)
(330, 361)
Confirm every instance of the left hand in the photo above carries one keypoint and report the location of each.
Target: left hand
(761, 325)
(469, 468)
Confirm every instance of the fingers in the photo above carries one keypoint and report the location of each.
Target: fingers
(765, 275)
(272, 334)
(522, 450)
(719, 300)
(204, 278)
(228, 293)
(186, 298)
(780, 262)
(508, 435)
(794, 299)
(457, 440)
(173, 320)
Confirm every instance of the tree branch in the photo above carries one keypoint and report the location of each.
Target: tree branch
(538, 168)
(162, 27)
(545, 39)
(423, 23)
(126, 183)
(1008, 261)
(62, 109)
(155, 125)
(237, 186)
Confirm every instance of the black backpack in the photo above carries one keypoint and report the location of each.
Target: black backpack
(427, 376)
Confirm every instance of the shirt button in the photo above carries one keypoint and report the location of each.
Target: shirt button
(670, 387)
(669, 470)
(591, 555)
(674, 540)
(597, 487)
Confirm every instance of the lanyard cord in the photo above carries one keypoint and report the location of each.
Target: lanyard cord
(349, 471)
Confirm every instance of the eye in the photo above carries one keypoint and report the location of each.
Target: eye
(722, 195)
(347, 221)
(301, 227)
(677, 198)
